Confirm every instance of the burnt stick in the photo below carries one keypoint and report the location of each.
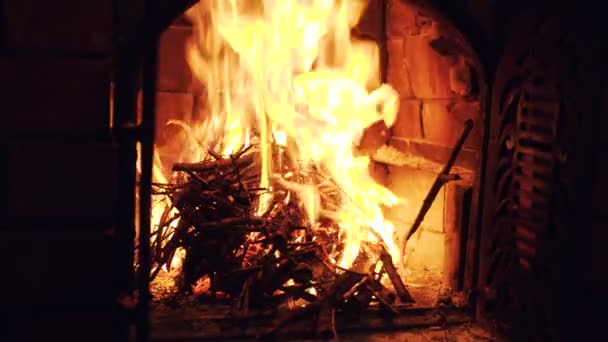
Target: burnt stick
(333, 295)
(437, 184)
(232, 222)
(402, 292)
(215, 164)
(386, 297)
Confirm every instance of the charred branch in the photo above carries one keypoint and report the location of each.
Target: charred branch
(440, 180)
(391, 271)
(263, 262)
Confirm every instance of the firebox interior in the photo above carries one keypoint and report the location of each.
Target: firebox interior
(517, 235)
(433, 72)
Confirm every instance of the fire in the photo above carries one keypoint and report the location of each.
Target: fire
(287, 72)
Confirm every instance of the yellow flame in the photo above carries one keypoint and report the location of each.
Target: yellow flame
(289, 70)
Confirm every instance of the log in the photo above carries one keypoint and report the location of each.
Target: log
(216, 198)
(275, 274)
(437, 184)
(331, 297)
(204, 166)
(391, 271)
(232, 222)
(342, 284)
(297, 292)
(384, 296)
(302, 273)
(358, 297)
(362, 298)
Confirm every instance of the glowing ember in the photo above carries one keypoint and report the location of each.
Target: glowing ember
(287, 73)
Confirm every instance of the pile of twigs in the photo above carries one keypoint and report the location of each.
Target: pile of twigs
(264, 260)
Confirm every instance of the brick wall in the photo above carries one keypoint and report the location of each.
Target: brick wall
(60, 170)
(433, 75)
(435, 84)
(436, 94)
(180, 96)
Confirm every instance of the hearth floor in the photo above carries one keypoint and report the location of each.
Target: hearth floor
(467, 332)
(455, 329)
(440, 313)
(213, 323)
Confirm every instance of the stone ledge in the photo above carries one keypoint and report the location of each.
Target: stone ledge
(433, 157)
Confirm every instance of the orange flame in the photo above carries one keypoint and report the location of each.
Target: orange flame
(288, 70)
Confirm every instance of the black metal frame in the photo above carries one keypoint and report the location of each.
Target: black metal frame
(137, 62)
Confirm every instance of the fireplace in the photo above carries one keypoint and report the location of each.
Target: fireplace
(496, 245)
(436, 77)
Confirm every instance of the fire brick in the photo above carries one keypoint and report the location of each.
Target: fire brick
(397, 69)
(414, 185)
(426, 255)
(408, 123)
(468, 158)
(379, 172)
(428, 71)
(460, 78)
(443, 122)
(400, 18)
(174, 73)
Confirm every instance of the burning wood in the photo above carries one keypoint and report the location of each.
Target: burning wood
(297, 220)
(387, 262)
(262, 261)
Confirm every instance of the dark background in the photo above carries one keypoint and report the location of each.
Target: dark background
(60, 176)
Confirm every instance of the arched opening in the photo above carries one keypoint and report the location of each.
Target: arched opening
(436, 77)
